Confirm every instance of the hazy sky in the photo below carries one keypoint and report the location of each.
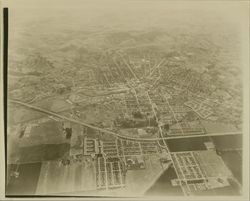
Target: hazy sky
(233, 10)
(132, 13)
(56, 16)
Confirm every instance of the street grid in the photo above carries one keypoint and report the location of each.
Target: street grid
(109, 172)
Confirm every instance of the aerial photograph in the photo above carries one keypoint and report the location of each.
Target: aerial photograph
(124, 99)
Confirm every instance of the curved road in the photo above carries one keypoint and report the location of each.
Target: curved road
(113, 133)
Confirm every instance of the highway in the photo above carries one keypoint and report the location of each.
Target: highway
(116, 134)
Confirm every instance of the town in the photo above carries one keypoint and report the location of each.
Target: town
(124, 103)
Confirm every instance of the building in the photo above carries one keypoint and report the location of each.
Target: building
(209, 145)
(91, 146)
(135, 162)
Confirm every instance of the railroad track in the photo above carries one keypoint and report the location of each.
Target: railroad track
(42, 110)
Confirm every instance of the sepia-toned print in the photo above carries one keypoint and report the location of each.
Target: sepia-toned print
(124, 99)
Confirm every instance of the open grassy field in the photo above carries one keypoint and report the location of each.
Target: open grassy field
(56, 178)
